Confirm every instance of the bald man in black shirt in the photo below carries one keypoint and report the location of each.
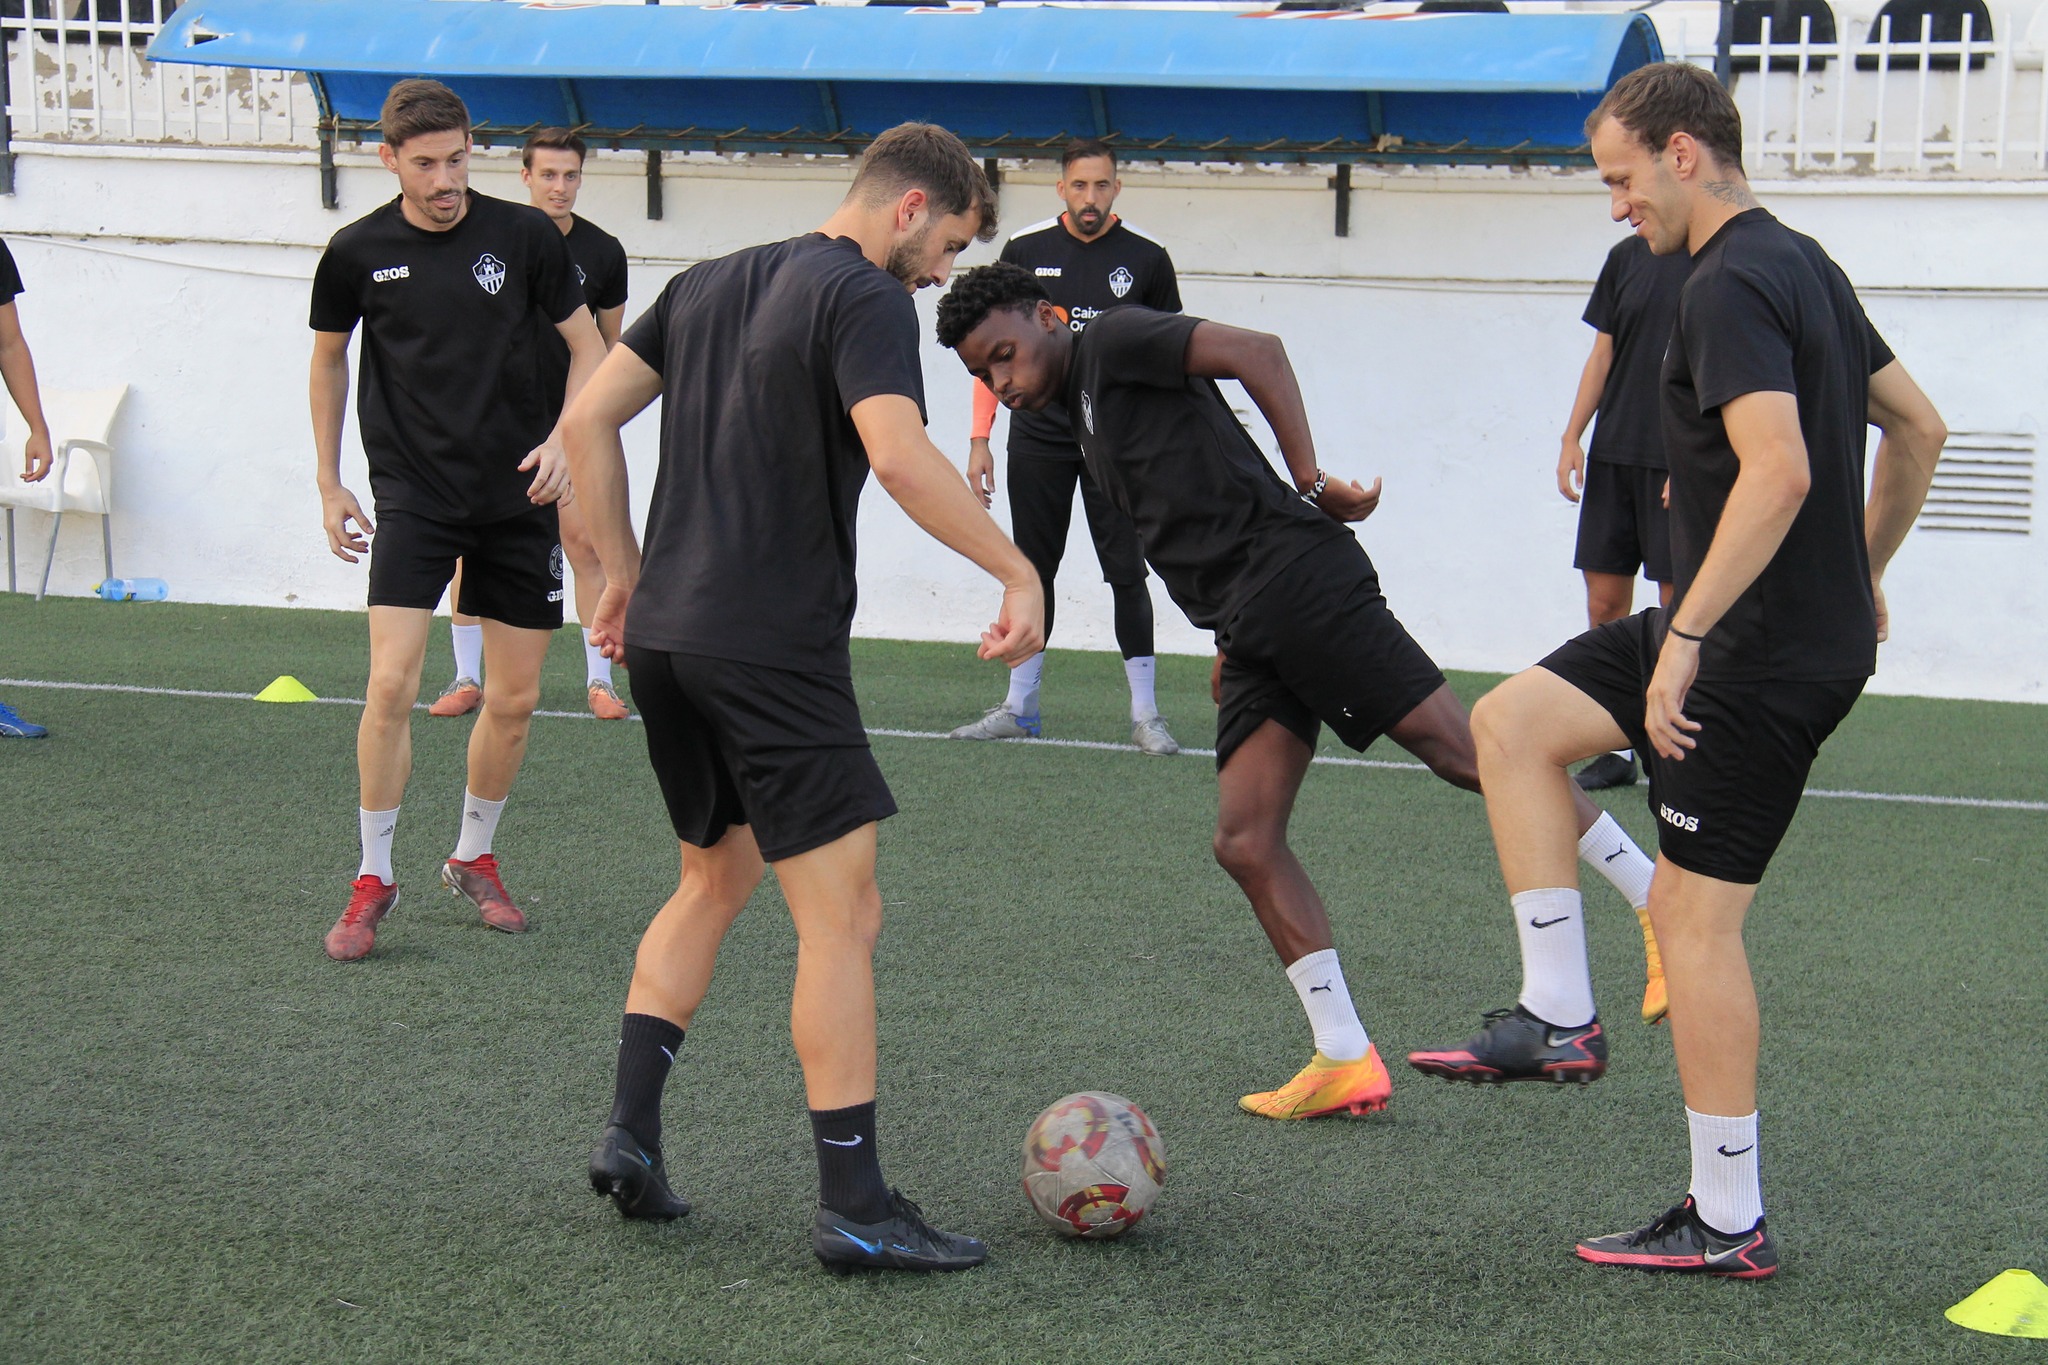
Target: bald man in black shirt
(1772, 379)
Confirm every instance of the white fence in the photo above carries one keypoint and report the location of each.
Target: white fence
(1884, 103)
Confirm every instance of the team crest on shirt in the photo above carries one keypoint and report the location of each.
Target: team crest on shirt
(1087, 412)
(1120, 281)
(489, 272)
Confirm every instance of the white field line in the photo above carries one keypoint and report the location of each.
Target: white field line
(1902, 798)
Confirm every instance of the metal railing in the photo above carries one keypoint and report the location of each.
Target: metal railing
(1977, 107)
(74, 72)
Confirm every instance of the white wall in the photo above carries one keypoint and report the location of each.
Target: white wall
(1438, 347)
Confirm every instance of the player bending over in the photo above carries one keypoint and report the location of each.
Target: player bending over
(1303, 634)
(786, 372)
(1772, 377)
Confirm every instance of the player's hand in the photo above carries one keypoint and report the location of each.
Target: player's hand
(1571, 470)
(35, 457)
(550, 468)
(338, 507)
(608, 622)
(1665, 496)
(1678, 664)
(981, 470)
(1019, 628)
(1216, 679)
(1349, 500)
(1884, 616)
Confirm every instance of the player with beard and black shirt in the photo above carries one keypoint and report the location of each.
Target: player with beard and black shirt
(1770, 385)
(551, 168)
(451, 288)
(1304, 637)
(786, 372)
(1619, 483)
(1089, 260)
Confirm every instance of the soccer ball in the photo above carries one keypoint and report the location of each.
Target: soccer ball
(1093, 1163)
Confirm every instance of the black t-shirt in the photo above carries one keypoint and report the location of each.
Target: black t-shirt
(1215, 519)
(1766, 311)
(750, 534)
(1083, 279)
(10, 277)
(1635, 301)
(447, 400)
(601, 269)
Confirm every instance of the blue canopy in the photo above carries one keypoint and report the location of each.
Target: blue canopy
(1170, 85)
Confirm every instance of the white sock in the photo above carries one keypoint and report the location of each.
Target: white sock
(1607, 849)
(1724, 1181)
(1142, 673)
(479, 826)
(1319, 981)
(469, 651)
(376, 827)
(1024, 679)
(1556, 984)
(596, 668)
(1629, 754)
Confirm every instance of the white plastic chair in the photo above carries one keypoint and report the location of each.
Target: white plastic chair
(80, 424)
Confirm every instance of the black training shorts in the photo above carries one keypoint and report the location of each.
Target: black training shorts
(1317, 646)
(512, 569)
(1042, 507)
(1623, 523)
(1723, 809)
(743, 744)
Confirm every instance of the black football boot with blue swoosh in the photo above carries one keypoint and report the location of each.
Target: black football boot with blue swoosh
(634, 1178)
(902, 1241)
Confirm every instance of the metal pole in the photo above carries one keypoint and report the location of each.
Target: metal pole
(654, 205)
(1343, 186)
(1724, 41)
(7, 185)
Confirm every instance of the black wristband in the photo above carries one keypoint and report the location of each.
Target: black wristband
(1314, 496)
(1696, 639)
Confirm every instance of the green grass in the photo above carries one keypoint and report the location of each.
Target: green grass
(217, 1145)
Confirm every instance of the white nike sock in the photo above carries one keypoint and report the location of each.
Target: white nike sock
(1142, 671)
(1607, 849)
(469, 651)
(376, 827)
(1557, 987)
(1319, 981)
(596, 668)
(1024, 679)
(479, 826)
(1724, 1179)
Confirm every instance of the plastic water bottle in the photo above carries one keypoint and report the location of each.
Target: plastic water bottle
(134, 590)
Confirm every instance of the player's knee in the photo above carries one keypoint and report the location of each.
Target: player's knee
(511, 701)
(390, 693)
(578, 549)
(1457, 765)
(1244, 850)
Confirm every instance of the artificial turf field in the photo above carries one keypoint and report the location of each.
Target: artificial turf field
(215, 1144)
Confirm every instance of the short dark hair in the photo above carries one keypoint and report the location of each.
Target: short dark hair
(983, 290)
(561, 139)
(1081, 148)
(415, 106)
(1653, 102)
(924, 156)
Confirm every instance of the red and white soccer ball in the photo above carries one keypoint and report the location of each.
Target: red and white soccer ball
(1093, 1163)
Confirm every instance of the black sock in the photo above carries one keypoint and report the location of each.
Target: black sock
(647, 1048)
(849, 1176)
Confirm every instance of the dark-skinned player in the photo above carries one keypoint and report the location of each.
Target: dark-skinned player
(1303, 634)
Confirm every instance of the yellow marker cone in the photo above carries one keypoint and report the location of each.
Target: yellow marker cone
(2014, 1304)
(287, 688)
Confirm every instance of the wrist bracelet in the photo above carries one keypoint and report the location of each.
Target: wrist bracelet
(1315, 492)
(1696, 639)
